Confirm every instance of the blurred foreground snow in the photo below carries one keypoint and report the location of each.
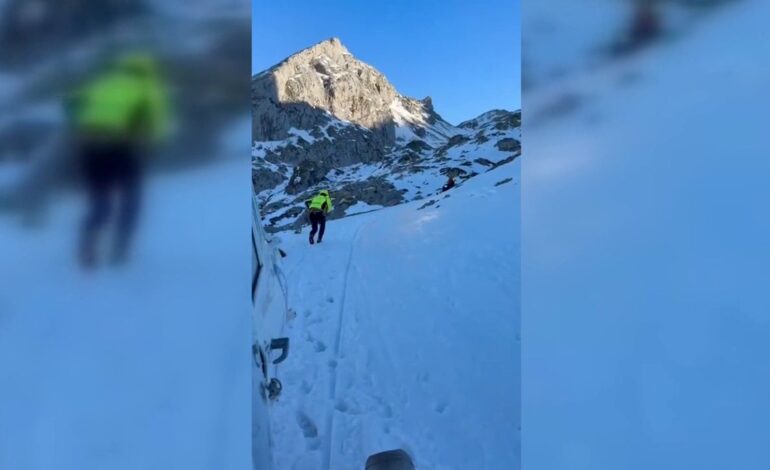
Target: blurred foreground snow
(645, 253)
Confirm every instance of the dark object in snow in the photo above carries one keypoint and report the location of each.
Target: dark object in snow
(449, 184)
(280, 344)
(427, 204)
(390, 460)
(274, 388)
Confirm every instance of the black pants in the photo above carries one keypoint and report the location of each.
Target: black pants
(112, 176)
(318, 221)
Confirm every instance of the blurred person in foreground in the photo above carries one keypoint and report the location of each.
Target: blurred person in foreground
(117, 118)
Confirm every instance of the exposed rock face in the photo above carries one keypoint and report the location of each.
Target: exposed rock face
(324, 119)
(263, 178)
(509, 145)
(374, 192)
(343, 103)
(306, 174)
(325, 77)
(498, 119)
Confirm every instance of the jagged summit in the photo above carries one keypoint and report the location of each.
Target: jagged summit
(332, 47)
(334, 43)
(327, 76)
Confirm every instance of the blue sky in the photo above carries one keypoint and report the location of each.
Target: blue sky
(465, 55)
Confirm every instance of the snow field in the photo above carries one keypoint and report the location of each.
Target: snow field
(406, 335)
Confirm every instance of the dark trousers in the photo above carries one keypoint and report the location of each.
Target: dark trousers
(318, 221)
(112, 177)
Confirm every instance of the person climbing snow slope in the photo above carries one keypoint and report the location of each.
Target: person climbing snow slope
(318, 207)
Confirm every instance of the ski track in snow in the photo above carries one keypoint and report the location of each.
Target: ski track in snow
(337, 344)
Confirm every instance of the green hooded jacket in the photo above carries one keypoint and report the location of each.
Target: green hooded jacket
(128, 101)
(320, 202)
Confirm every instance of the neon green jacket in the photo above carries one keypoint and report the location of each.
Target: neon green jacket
(321, 202)
(126, 102)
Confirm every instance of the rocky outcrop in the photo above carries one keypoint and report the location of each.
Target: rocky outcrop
(498, 119)
(307, 174)
(508, 145)
(374, 191)
(263, 179)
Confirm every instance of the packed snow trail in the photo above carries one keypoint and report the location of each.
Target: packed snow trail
(142, 367)
(406, 335)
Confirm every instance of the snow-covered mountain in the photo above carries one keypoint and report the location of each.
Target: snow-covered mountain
(323, 118)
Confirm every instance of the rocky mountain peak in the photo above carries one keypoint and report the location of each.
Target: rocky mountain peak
(328, 77)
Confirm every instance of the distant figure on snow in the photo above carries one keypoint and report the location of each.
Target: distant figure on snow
(449, 184)
(318, 207)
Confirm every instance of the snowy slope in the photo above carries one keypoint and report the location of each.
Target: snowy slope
(564, 38)
(144, 367)
(645, 315)
(415, 168)
(406, 335)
